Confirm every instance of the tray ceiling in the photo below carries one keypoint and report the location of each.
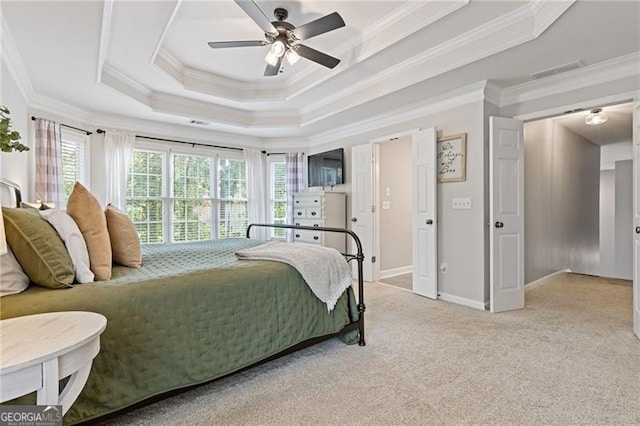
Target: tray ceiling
(150, 59)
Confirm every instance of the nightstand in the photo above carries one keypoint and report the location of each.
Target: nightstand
(36, 351)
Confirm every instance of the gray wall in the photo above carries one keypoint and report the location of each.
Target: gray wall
(461, 233)
(395, 222)
(562, 185)
(607, 223)
(616, 221)
(624, 219)
(16, 166)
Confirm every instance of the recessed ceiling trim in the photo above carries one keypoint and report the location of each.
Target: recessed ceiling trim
(180, 106)
(603, 72)
(218, 86)
(449, 100)
(164, 31)
(384, 33)
(492, 37)
(105, 31)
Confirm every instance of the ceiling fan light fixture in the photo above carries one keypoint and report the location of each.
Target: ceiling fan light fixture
(595, 117)
(292, 56)
(278, 48)
(272, 58)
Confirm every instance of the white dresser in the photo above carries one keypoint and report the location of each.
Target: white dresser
(327, 209)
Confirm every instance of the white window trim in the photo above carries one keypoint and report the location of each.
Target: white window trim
(274, 158)
(79, 137)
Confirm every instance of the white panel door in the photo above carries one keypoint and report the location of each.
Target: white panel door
(636, 220)
(362, 204)
(425, 229)
(506, 214)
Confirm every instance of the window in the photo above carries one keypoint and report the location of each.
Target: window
(232, 190)
(74, 160)
(278, 197)
(145, 190)
(192, 201)
(177, 197)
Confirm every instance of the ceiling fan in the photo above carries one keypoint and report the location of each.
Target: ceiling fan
(284, 38)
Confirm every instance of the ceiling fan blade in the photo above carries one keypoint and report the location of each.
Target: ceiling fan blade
(248, 43)
(319, 26)
(272, 70)
(255, 13)
(316, 56)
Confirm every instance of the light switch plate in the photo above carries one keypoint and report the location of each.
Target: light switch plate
(461, 203)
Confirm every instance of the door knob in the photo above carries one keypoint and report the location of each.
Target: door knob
(429, 221)
(354, 219)
(499, 224)
(637, 229)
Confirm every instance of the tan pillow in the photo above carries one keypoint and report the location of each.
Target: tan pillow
(125, 243)
(85, 209)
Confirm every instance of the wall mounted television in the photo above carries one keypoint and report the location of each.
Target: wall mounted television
(326, 168)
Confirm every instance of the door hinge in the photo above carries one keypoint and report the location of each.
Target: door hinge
(373, 209)
(373, 259)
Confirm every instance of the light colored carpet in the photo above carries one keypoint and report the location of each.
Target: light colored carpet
(403, 281)
(570, 357)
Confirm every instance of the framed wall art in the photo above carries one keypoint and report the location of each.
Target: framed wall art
(451, 160)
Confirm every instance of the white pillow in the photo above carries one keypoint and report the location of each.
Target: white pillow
(73, 240)
(12, 278)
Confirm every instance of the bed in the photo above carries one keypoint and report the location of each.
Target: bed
(191, 314)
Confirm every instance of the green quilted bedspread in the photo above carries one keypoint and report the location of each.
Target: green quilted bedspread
(191, 313)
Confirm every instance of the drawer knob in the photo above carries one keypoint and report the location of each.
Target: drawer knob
(299, 213)
(297, 235)
(316, 238)
(313, 213)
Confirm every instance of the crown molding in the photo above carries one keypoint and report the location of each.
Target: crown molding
(164, 32)
(223, 88)
(58, 108)
(403, 22)
(445, 101)
(13, 60)
(115, 79)
(495, 36)
(602, 72)
(105, 32)
(492, 93)
(178, 105)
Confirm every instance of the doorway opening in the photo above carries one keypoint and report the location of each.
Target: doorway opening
(578, 196)
(393, 201)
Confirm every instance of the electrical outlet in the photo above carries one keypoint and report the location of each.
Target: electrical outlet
(461, 203)
(443, 268)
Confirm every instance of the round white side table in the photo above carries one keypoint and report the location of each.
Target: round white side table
(36, 351)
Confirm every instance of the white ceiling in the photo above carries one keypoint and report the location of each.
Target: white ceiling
(150, 60)
(617, 129)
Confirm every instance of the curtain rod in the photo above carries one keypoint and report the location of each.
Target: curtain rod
(100, 131)
(71, 127)
(276, 153)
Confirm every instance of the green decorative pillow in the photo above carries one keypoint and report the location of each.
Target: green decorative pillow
(38, 248)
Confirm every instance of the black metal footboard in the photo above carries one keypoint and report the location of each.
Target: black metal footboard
(359, 257)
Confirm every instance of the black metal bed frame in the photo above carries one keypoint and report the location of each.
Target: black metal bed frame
(359, 257)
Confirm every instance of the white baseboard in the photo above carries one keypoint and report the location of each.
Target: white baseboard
(461, 301)
(543, 280)
(388, 273)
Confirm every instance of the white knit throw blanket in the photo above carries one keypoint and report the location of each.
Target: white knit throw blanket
(324, 269)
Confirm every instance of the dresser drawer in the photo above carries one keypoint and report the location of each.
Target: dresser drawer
(307, 200)
(307, 213)
(313, 237)
(308, 222)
